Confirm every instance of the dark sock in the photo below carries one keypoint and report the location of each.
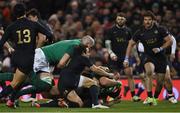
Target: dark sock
(2, 84)
(126, 88)
(170, 93)
(8, 90)
(158, 90)
(149, 94)
(132, 93)
(136, 86)
(53, 103)
(12, 97)
(139, 92)
(156, 94)
(94, 94)
(33, 95)
(115, 93)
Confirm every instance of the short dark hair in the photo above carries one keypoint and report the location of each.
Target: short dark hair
(149, 14)
(19, 10)
(33, 12)
(78, 50)
(121, 14)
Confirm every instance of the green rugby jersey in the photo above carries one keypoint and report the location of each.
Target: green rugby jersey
(56, 51)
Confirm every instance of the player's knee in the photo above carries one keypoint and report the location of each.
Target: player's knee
(130, 76)
(142, 76)
(14, 84)
(149, 72)
(103, 81)
(93, 82)
(80, 103)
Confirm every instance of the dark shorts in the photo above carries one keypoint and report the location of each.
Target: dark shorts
(67, 82)
(160, 61)
(118, 65)
(24, 62)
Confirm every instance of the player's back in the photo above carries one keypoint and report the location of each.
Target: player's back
(23, 32)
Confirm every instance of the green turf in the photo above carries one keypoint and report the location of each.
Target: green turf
(124, 106)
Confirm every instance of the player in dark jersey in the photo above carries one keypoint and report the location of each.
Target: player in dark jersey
(34, 16)
(70, 78)
(155, 39)
(23, 33)
(116, 42)
(170, 52)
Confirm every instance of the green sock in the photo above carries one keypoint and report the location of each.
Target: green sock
(6, 76)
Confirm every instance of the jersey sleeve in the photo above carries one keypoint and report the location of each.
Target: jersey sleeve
(44, 31)
(86, 61)
(5, 37)
(129, 34)
(70, 50)
(136, 36)
(163, 31)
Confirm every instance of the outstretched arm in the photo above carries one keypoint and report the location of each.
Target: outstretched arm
(128, 51)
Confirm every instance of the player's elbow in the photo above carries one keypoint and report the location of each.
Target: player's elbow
(94, 69)
(61, 65)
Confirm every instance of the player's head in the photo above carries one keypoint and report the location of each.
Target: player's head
(88, 41)
(148, 19)
(19, 10)
(120, 19)
(33, 14)
(80, 50)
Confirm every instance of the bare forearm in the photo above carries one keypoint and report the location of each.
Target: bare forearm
(168, 42)
(129, 48)
(101, 72)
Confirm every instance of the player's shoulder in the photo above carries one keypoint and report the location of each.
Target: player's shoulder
(127, 28)
(158, 26)
(139, 31)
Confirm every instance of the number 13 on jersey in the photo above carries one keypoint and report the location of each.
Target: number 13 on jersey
(24, 36)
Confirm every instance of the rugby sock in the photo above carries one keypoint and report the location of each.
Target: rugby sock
(33, 95)
(12, 97)
(140, 89)
(170, 93)
(136, 86)
(139, 92)
(2, 84)
(53, 103)
(7, 90)
(115, 93)
(126, 88)
(6, 76)
(156, 94)
(158, 89)
(132, 93)
(149, 93)
(94, 91)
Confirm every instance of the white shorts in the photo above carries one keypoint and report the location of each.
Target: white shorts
(81, 81)
(40, 61)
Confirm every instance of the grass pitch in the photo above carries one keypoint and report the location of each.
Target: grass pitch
(123, 106)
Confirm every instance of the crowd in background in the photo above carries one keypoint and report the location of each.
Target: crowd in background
(71, 19)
